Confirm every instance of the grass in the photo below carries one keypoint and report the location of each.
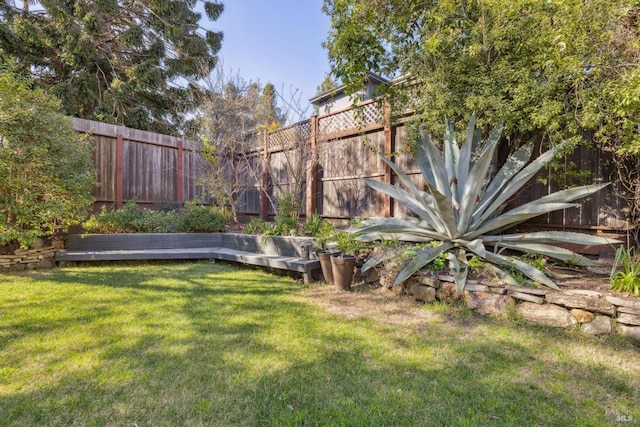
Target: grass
(210, 344)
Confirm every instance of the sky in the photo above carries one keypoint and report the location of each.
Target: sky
(277, 41)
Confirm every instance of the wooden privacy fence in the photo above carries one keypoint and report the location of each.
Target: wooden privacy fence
(322, 162)
(150, 168)
(342, 148)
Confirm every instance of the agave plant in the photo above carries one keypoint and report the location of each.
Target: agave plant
(462, 209)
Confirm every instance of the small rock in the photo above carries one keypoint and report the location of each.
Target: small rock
(584, 292)
(629, 310)
(620, 302)
(584, 302)
(422, 292)
(628, 319)
(582, 316)
(448, 293)
(630, 331)
(526, 297)
(472, 287)
(372, 275)
(546, 314)
(432, 281)
(488, 303)
(599, 325)
(527, 290)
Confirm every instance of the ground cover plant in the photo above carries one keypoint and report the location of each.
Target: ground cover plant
(210, 344)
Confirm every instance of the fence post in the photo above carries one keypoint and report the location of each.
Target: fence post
(180, 174)
(264, 199)
(388, 149)
(312, 170)
(119, 170)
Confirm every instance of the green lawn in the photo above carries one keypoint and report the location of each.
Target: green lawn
(209, 344)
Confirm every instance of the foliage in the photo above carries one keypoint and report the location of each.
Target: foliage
(576, 63)
(194, 218)
(46, 173)
(287, 213)
(552, 70)
(462, 208)
(347, 244)
(257, 226)
(628, 278)
(268, 115)
(130, 63)
(198, 218)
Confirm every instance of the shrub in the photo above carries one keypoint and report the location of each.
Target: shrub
(46, 172)
(257, 226)
(625, 274)
(197, 218)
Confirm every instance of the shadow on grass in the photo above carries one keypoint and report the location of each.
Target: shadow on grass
(217, 349)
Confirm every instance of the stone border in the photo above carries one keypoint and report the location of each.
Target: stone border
(593, 312)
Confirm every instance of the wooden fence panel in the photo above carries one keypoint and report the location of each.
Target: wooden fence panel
(104, 158)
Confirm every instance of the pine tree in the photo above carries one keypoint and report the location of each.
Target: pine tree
(127, 62)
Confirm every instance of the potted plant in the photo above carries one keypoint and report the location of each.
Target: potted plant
(322, 234)
(343, 264)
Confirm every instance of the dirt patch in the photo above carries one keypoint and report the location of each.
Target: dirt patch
(386, 307)
(377, 303)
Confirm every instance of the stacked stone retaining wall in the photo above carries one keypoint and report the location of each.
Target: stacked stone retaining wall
(593, 312)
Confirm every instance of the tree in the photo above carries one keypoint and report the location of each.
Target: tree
(226, 122)
(327, 84)
(553, 70)
(46, 172)
(268, 115)
(233, 120)
(126, 62)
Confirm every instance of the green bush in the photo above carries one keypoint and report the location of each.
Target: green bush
(46, 172)
(257, 226)
(196, 218)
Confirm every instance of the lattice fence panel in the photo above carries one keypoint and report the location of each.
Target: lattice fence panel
(350, 119)
(291, 136)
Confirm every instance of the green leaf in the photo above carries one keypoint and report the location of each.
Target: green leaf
(459, 271)
(421, 259)
(409, 201)
(513, 165)
(464, 161)
(475, 181)
(513, 186)
(551, 237)
(528, 270)
(431, 164)
(516, 216)
(551, 251)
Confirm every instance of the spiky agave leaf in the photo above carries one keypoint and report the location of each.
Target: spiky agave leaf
(453, 215)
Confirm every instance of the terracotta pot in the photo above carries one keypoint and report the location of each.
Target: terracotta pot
(343, 268)
(325, 265)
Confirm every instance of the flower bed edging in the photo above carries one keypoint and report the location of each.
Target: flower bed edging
(593, 312)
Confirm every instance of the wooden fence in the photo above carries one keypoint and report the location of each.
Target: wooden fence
(343, 147)
(322, 160)
(152, 169)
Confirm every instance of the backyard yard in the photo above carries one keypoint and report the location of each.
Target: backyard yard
(211, 344)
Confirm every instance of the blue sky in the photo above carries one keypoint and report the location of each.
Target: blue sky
(277, 41)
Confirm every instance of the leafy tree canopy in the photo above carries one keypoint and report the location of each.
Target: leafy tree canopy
(127, 62)
(551, 69)
(46, 172)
